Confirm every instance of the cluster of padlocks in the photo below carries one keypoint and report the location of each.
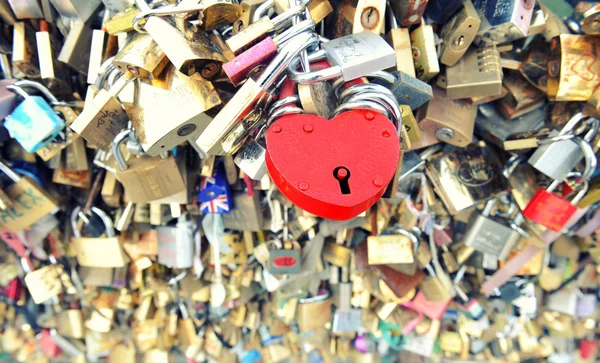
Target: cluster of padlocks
(299, 181)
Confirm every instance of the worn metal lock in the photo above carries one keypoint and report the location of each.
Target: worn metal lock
(33, 123)
(76, 10)
(103, 117)
(315, 312)
(352, 56)
(408, 12)
(30, 202)
(147, 179)
(24, 52)
(140, 57)
(176, 244)
(477, 74)
(511, 23)
(398, 248)
(573, 67)
(215, 193)
(458, 33)
(399, 39)
(239, 116)
(451, 121)
(424, 52)
(489, 236)
(340, 187)
(550, 210)
(433, 288)
(190, 50)
(409, 90)
(287, 260)
(171, 95)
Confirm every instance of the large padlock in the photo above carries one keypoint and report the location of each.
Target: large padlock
(147, 179)
(30, 202)
(33, 123)
(352, 56)
(550, 210)
(349, 172)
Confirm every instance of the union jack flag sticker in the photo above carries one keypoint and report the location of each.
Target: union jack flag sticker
(214, 193)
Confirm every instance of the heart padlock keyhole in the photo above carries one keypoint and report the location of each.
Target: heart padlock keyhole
(342, 174)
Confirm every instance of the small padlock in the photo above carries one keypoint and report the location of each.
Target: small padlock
(176, 244)
(499, 27)
(140, 57)
(399, 39)
(558, 158)
(103, 117)
(147, 179)
(491, 237)
(190, 50)
(33, 123)
(215, 193)
(287, 260)
(550, 210)
(458, 34)
(30, 202)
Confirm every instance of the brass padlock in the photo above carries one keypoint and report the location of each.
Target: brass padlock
(190, 50)
(147, 179)
(181, 99)
(141, 57)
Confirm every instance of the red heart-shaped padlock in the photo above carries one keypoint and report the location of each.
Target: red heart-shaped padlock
(334, 168)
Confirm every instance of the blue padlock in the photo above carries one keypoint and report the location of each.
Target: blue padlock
(215, 193)
(33, 123)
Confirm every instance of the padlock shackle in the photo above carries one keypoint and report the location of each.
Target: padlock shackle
(591, 161)
(568, 128)
(289, 34)
(18, 90)
(9, 172)
(262, 10)
(116, 149)
(391, 16)
(75, 215)
(45, 91)
(277, 67)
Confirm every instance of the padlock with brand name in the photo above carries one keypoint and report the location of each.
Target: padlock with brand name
(34, 124)
(287, 260)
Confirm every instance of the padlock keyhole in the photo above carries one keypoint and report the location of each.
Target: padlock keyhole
(342, 174)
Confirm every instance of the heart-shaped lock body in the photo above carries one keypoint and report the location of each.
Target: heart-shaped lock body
(334, 168)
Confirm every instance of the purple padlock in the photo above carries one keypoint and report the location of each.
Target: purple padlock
(586, 305)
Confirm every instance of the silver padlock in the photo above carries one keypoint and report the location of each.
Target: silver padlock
(176, 244)
(251, 159)
(491, 237)
(559, 158)
(352, 56)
